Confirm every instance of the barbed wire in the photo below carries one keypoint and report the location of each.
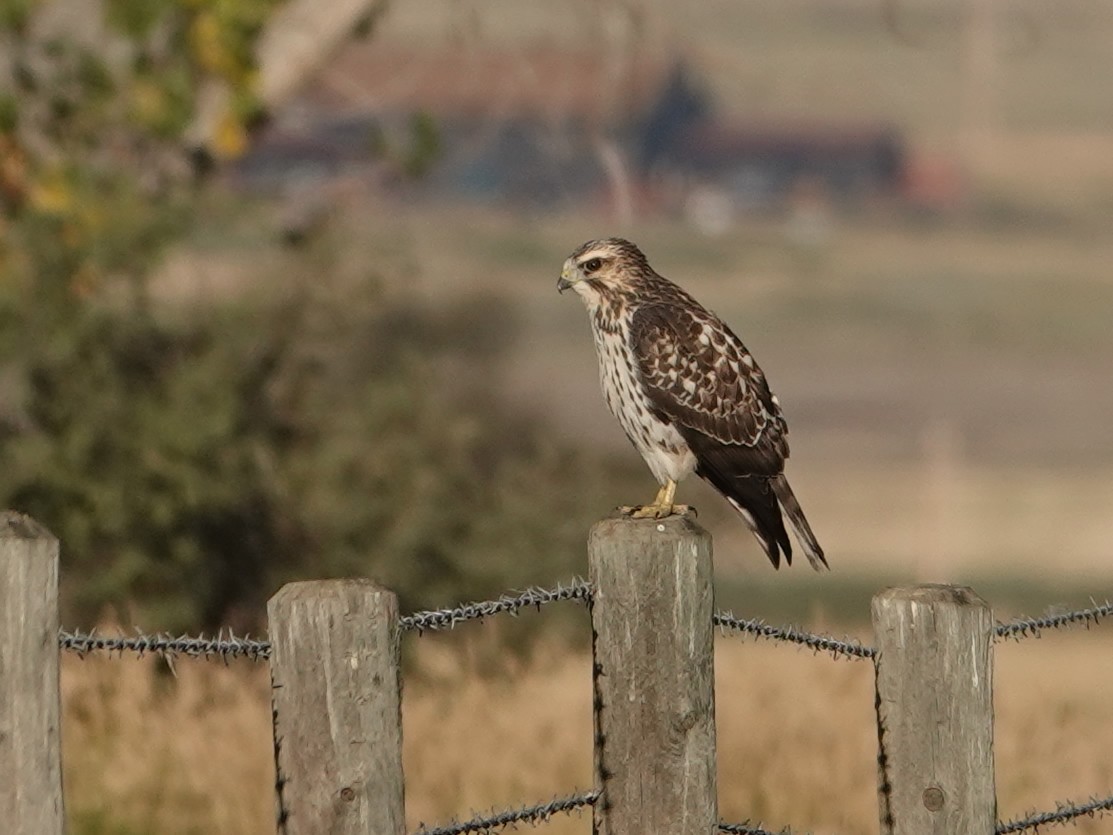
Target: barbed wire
(224, 646)
(744, 828)
(1065, 811)
(838, 647)
(508, 817)
(510, 603)
(1028, 627)
(542, 812)
(229, 646)
(1017, 629)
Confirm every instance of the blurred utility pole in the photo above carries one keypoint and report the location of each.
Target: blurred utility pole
(295, 44)
(622, 28)
(978, 96)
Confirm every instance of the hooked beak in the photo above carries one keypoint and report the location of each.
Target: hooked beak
(564, 283)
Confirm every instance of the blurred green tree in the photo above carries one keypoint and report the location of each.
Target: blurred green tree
(109, 411)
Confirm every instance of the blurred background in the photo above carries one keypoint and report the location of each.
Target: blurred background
(277, 293)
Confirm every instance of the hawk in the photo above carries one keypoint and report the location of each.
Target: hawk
(688, 394)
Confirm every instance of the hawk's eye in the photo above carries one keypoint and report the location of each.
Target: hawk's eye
(592, 265)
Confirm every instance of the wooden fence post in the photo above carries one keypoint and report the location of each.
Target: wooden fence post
(30, 702)
(337, 708)
(653, 676)
(935, 711)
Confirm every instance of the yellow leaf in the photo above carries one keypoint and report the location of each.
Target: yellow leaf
(230, 136)
(208, 45)
(51, 194)
(149, 102)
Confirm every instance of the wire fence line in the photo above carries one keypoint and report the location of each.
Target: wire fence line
(511, 603)
(224, 646)
(1065, 812)
(745, 828)
(542, 812)
(838, 647)
(536, 814)
(228, 646)
(1026, 627)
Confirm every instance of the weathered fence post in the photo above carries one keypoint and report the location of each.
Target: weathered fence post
(337, 708)
(935, 711)
(653, 676)
(30, 743)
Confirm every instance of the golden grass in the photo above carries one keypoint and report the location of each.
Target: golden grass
(149, 753)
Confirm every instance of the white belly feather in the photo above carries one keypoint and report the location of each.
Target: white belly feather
(659, 443)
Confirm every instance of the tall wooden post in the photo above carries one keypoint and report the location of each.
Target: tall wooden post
(935, 711)
(337, 708)
(30, 703)
(653, 676)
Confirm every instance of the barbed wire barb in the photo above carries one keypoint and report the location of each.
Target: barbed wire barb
(838, 647)
(1065, 811)
(508, 817)
(1029, 627)
(510, 603)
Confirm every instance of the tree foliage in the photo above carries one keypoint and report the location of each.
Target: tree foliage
(100, 431)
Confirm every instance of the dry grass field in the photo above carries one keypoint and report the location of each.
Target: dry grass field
(146, 752)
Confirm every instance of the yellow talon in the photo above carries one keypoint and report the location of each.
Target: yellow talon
(661, 507)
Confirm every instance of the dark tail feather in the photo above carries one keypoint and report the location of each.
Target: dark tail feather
(754, 499)
(799, 524)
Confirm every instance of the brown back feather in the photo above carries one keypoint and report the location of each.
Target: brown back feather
(696, 374)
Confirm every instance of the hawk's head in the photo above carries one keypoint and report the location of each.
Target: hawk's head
(599, 268)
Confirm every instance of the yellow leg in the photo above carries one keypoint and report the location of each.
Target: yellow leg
(662, 505)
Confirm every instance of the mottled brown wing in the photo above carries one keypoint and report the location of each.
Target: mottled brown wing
(699, 375)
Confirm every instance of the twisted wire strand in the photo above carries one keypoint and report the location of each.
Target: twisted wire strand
(510, 603)
(838, 647)
(224, 646)
(1027, 627)
(1065, 811)
(508, 817)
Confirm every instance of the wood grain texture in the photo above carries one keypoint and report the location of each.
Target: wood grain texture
(337, 706)
(30, 744)
(653, 676)
(935, 711)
